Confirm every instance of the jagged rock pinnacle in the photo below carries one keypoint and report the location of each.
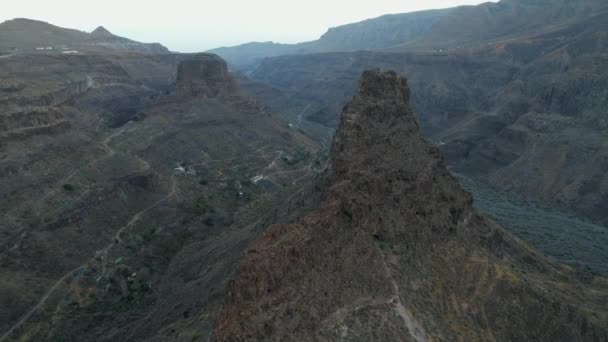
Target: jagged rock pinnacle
(394, 251)
(377, 127)
(384, 85)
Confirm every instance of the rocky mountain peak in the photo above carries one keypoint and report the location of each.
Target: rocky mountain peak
(378, 153)
(385, 186)
(101, 32)
(392, 236)
(204, 75)
(384, 85)
(378, 129)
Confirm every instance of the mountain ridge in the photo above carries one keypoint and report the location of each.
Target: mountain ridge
(28, 35)
(461, 27)
(394, 251)
(375, 33)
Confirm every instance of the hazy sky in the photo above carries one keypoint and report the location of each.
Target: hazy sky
(198, 25)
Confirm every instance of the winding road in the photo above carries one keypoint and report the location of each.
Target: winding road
(9, 55)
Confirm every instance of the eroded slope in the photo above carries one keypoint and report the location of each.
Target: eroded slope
(394, 251)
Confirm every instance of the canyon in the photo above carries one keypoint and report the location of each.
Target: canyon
(436, 175)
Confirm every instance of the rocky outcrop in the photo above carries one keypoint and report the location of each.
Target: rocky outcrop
(394, 251)
(204, 75)
(101, 32)
(523, 115)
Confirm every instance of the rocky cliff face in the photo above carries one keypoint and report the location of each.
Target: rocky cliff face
(388, 31)
(47, 94)
(204, 75)
(394, 251)
(383, 32)
(505, 19)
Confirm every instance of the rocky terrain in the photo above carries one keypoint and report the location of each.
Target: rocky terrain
(32, 36)
(393, 250)
(522, 114)
(435, 31)
(146, 194)
(151, 195)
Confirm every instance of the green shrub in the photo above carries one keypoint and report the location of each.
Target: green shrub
(69, 187)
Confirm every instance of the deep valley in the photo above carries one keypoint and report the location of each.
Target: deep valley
(429, 176)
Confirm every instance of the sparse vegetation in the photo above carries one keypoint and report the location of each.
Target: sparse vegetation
(202, 206)
(68, 187)
(559, 234)
(297, 157)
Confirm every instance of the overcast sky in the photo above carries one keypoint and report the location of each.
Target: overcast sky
(198, 25)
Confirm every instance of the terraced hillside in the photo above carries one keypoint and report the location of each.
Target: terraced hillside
(147, 194)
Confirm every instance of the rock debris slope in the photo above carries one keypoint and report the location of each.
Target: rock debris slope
(394, 251)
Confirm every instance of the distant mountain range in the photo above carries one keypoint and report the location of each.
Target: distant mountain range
(432, 30)
(26, 35)
(379, 33)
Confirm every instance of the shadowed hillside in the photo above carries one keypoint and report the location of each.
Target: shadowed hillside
(145, 194)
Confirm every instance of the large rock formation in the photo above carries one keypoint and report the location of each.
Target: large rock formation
(524, 115)
(394, 251)
(204, 75)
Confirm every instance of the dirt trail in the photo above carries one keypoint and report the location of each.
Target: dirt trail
(134, 219)
(58, 184)
(9, 55)
(116, 239)
(412, 325)
(299, 120)
(40, 303)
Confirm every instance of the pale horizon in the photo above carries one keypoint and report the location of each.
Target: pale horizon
(190, 26)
